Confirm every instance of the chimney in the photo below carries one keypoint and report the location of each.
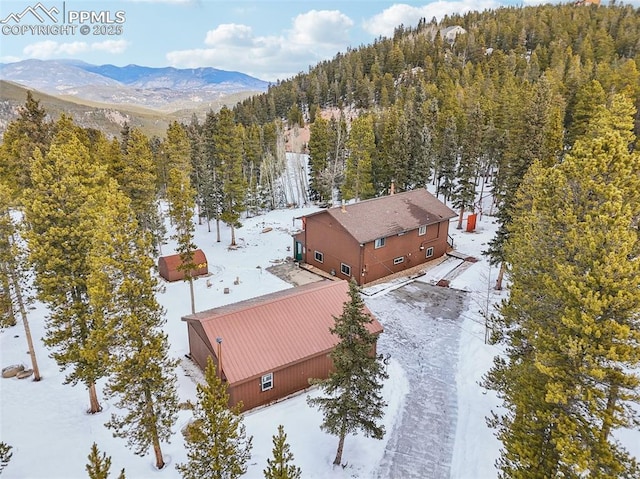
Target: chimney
(392, 188)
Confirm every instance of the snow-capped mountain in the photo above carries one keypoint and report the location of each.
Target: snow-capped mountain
(162, 88)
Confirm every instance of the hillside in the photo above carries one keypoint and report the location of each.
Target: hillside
(108, 118)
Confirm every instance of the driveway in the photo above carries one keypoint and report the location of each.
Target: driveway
(421, 331)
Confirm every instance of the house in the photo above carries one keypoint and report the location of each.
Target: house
(268, 347)
(375, 238)
(168, 266)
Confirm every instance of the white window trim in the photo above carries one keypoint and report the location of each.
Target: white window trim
(429, 252)
(347, 267)
(422, 230)
(398, 260)
(266, 382)
(379, 243)
(320, 254)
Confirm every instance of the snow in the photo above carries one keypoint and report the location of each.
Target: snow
(435, 341)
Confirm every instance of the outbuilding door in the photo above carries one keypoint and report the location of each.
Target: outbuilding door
(298, 253)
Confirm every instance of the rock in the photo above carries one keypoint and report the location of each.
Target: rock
(11, 371)
(267, 229)
(24, 374)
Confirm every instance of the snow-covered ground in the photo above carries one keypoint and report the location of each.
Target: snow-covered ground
(442, 429)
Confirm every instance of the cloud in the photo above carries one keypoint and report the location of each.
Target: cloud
(385, 22)
(314, 36)
(52, 49)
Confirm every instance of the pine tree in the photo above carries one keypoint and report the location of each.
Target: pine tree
(361, 145)
(99, 466)
(62, 215)
(281, 467)
(123, 296)
(12, 271)
(353, 400)
(5, 455)
(319, 151)
(181, 203)
(216, 441)
(570, 323)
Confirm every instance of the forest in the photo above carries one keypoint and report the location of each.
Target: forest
(544, 101)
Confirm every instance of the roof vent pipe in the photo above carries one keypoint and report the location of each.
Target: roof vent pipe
(343, 208)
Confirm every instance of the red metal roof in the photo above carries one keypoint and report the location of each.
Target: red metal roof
(264, 334)
(389, 215)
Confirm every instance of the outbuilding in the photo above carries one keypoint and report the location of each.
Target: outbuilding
(169, 266)
(268, 347)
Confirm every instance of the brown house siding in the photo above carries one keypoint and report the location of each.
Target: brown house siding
(286, 381)
(338, 247)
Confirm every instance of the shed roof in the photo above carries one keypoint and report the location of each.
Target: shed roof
(390, 215)
(174, 261)
(263, 334)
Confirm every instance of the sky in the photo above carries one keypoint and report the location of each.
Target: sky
(267, 39)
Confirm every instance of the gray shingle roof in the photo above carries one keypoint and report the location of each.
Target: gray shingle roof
(390, 215)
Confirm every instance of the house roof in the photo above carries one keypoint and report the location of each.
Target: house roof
(264, 334)
(390, 215)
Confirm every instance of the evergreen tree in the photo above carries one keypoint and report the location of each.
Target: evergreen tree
(228, 141)
(281, 467)
(12, 271)
(216, 441)
(62, 215)
(99, 466)
(123, 296)
(361, 147)
(23, 136)
(319, 151)
(5, 455)
(570, 323)
(353, 400)
(181, 203)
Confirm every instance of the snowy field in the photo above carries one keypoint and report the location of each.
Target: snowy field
(435, 419)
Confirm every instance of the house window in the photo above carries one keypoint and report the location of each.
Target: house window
(267, 382)
(422, 230)
(319, 256)
(379, 243)
(345, 269)
(429, 251)
(398, 260)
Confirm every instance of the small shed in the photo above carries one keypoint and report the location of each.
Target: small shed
(168, 266)
(268, 347)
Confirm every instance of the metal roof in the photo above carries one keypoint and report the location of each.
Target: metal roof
(266, 333)
(389, 215)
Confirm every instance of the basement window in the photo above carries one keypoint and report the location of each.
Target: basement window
(267, 382)
(398, 260)
(379, 243)
(318, 256)
(429, 251)
(422, 230)
(345, 269)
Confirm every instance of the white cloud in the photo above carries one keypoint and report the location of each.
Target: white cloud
(330, 27)
(52, 49)
(230, 34)
(400, 13)
(314, 36)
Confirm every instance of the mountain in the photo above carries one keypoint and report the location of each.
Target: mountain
(167, 89)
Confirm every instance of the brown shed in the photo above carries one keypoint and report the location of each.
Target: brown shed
(168, 266)
(268, 347)
(375, 238)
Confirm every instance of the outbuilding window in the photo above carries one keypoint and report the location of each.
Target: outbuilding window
(318, 256)
(398, 260)
(422, 230)
(429, 251)
(267, 382)
(379, 243)
(345, 269)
